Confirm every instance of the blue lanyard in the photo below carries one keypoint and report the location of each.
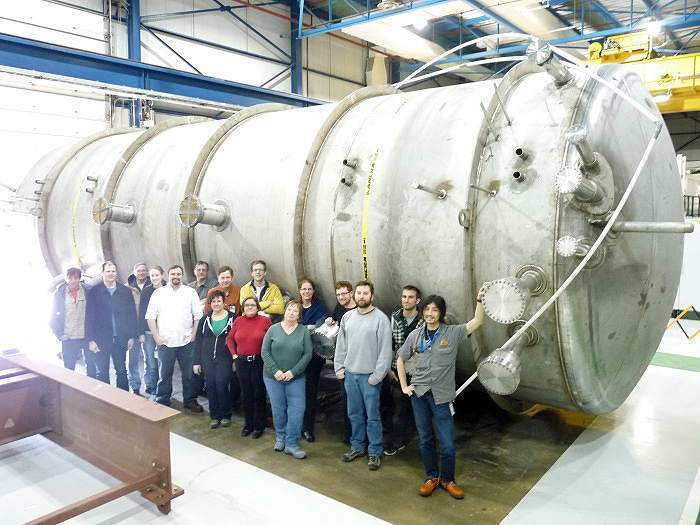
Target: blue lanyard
(423, 348)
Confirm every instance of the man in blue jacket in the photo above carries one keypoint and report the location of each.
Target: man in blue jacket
(68, 321)
(111, 324)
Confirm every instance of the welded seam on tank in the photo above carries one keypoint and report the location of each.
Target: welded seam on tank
(365, 213)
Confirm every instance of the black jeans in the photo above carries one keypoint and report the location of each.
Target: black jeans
(253, 391)
(313, 375)
(117, 351)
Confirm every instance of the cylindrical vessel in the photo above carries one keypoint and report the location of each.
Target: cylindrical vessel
(334, 193)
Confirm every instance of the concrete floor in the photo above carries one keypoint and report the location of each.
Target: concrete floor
(499, 458)
(636, 465)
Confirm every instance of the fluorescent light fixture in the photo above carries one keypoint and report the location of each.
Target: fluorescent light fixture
(420, 23)
(561, 29)
(653, 28)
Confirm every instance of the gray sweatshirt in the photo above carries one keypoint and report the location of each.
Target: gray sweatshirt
(364, 344)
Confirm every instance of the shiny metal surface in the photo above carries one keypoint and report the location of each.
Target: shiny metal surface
(329, 193)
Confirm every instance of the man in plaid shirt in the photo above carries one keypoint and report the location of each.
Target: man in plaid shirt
(403, 322)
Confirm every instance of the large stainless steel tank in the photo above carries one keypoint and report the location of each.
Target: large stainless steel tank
(427, 188)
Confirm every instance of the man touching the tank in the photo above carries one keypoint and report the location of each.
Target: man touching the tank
(268, 294)
(434, 348)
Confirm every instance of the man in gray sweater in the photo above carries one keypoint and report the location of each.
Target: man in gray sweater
(362, 358)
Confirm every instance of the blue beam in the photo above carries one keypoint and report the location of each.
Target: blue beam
(170, 48)
(607, 15)
(493, 16)
(246, 24)
(57, 60)
(133, 37)
(297, 71)
(175, 14)
(367, 16)
(133, 30)
(669, 23)
(216, 45)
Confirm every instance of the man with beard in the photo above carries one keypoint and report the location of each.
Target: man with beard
(362, 359)
(172, 316)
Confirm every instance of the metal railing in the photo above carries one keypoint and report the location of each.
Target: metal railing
(691, 205)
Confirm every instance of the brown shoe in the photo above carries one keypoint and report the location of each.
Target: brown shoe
(453, 489)
(427, 488)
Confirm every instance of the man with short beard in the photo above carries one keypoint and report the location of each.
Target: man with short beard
(172, 316)
(362, 359)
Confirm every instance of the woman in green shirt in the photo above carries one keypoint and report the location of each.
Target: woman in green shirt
(286, 351)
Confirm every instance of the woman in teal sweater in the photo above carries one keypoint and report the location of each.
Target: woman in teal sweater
(286, 351)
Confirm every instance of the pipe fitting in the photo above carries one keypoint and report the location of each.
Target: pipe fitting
(193, 211)
(103, 212)
(540, 52)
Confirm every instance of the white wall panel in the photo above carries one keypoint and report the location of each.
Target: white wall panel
(54, 23)
(209, 61)
(347, 60)
(33, 123)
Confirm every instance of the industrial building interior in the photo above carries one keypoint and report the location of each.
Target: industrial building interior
(71, 69)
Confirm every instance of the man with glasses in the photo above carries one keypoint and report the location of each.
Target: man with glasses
(346, 302)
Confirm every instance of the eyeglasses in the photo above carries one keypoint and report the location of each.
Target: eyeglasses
(342, 294)
(250, 305)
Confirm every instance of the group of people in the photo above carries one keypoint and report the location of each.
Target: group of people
(248, 341)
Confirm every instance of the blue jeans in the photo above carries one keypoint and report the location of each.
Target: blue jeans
(71, 348)
(133, 358)
(363, 411)
(150, 375)
(288, 400)
(217, 373)
(166, 365)
(424, 411)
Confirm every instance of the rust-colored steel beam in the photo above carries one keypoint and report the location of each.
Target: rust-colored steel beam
(120, 433)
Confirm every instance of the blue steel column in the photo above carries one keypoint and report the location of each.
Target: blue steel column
(297, 65)
(133, 31)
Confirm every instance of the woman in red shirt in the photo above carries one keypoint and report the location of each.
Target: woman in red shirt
(245, 343)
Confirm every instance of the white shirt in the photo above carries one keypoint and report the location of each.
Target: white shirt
(175, 313)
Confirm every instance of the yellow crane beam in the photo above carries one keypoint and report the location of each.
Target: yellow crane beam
(672, 81)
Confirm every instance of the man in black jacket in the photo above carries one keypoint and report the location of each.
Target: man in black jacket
(110, 324)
